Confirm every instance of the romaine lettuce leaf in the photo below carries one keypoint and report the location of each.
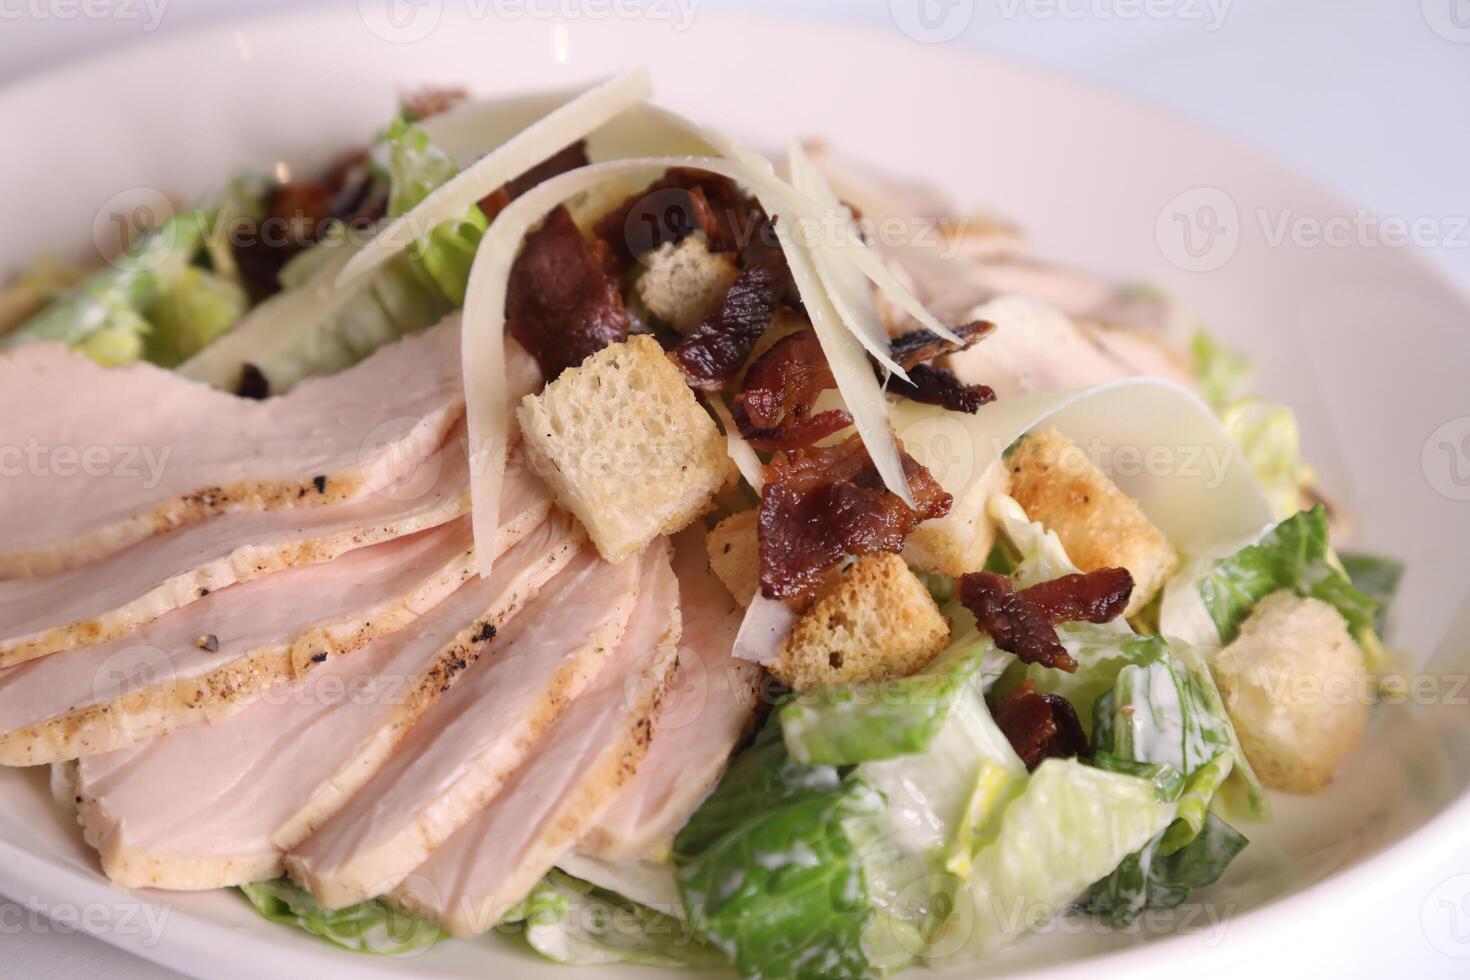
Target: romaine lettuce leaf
(1071, 826)
(1295, 555)
(1272, 442)
(1377, 577)
(570, 921)
(371, 927)
(1221, 372)
(191, 314)
(768, 870)
(1149, 879)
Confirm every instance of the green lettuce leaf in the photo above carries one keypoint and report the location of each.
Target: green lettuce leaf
(443, 257)
(1071, 826)
(1295, 555)
(768, 870)
(1222, 372)
(372, 927)
(1149, 879)
(1272, 442)
(191, 314)
(570, 921)
(1377, 577)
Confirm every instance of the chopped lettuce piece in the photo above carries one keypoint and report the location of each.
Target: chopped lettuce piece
(371, 927)
(102, 317)
(1377, 577)
(768, 870)
(1272, 442)
(1149, 879)
(234, 208)
(1038, 554)
(570, 921)
(1071, 826)
(1222, 372)
(416, 167)
(191, 314)
(30, 292)
(1295, 555)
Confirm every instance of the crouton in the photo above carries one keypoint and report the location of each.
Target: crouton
(685, 281)
(1297, 690)
(877, 621)
(1098, 524)
(734, 555)
(625, 446)
(960, 541)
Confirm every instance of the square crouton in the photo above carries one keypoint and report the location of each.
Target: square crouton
(734, 555)
(684, 281)
(625, 446)
(875, 622)
(1098, 524)
(1295, 687)
(960, 541)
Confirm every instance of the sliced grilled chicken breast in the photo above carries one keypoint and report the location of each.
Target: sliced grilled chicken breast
(205, 661)
(211, 806)
(119, 454)
(459, 757)
(570, 778)
(709, 709)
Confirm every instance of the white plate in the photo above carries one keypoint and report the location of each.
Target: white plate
(1366, 341)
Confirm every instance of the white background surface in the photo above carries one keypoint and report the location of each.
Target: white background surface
(1364, 95)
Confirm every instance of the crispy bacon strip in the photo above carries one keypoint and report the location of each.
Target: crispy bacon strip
(714, 350)
(563, 160)
(561, 305)
(773, 408)
(1024, 623)
(821, 504)
(1039, 726)
(934, 385)
(676, 205)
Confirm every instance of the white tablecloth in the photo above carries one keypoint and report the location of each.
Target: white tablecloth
(1367, 96)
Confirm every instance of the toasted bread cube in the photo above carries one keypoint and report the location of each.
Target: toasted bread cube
(734, 555)
(625, 446)
(1297, 691)
(876, 621)
(960, 541)
(685, 281)
(1098, 524)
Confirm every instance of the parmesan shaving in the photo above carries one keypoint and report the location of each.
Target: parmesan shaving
(741, 453)
(846, 285)
(764, 630)
(538, 141)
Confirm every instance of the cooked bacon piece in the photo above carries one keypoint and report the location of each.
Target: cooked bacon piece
(933, 385)
(675, 206)
(432, 100)
(1015, 624)
(561, 305)
(714, 350)
(567, 158)
(939, 386)
(773, 409)
(295, 216)
(1096, 597)
(918, 346)
(822, 504)
(1039, 726)
(1024, 622)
